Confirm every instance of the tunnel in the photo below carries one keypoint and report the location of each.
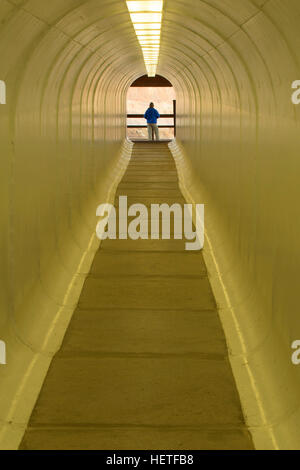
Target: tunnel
(65, 70)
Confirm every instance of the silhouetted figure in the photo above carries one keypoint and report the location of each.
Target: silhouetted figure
(152, 115)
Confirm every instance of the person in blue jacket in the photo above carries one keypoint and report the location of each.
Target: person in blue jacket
(152, 115)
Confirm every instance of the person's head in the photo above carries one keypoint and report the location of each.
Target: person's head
(151, 105)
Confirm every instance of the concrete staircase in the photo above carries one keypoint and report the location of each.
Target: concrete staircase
(144, 361)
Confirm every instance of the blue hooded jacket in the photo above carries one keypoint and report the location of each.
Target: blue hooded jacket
(151, 115)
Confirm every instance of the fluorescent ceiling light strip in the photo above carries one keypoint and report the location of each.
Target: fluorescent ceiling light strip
(151, 70)
(148, 34)
(146, 16)
(148, 38)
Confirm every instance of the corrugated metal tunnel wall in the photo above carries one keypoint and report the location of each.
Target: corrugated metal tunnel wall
(67, 66)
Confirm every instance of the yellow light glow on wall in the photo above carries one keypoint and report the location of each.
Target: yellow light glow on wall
(146, 16)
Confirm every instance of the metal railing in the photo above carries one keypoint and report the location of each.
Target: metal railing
(160, 126)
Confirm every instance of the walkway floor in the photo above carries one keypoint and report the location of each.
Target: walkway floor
(144, 362)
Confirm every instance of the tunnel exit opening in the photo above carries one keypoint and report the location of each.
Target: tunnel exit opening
(141, 93)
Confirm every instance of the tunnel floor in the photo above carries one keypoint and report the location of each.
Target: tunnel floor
(144, 363)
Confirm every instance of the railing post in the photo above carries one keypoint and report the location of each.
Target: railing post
(174, 112)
